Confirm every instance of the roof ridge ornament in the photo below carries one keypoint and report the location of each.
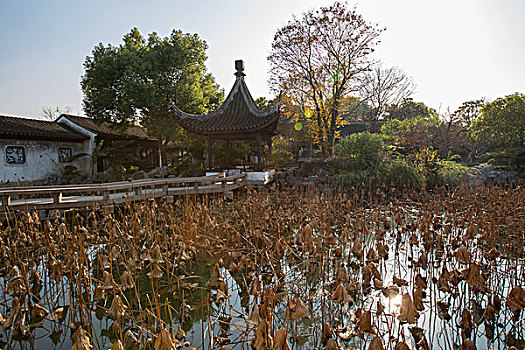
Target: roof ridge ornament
(239, 66)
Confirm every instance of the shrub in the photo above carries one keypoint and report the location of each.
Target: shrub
(447, 173)
(281, 157)
(391, 173)
(364, 147)
(402, 173)
(354, 179)
(69, 172)
(511, 158)
(439, 172)
(193, 172)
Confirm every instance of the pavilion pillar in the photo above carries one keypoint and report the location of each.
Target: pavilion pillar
(210, 161)
(228, 154)
(259, 150)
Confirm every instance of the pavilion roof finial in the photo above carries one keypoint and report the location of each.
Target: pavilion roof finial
(239, 66)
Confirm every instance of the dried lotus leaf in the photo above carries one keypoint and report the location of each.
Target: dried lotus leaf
(399, 281)
(117, 345)
(301, 310)
(357, 248)
(407, 312)
(341, 295)
(475, 279)
(263, 339)
(126, 281)
(331, 344)
(80, 340)
(364, 324)
(254, 318)
(418, 299)
(376, 344)
(130, 341)
(516, 299)
(342, 275)
(326, 333)
(164, 341)
(401, 346)
(279, 342)
(466, 323)
(117, 309)
(108, 281)
(391, 291)
(462, 255)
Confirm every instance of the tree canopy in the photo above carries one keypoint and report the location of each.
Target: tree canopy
(502, 122)
(408, 108)
(468, 112)
(316, 59)
(137, 80)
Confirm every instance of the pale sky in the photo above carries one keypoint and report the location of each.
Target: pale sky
(455, 50)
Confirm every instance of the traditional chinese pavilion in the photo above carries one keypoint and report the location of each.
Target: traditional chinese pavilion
(238, 118)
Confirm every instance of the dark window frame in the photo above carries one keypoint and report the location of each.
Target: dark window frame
(15, 163)
(63, 160)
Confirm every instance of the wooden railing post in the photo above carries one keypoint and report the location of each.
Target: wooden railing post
(196, 186)
(6, 200)
(57, 197)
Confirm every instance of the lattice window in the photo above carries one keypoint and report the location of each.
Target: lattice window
(15, 155)
(64, 154)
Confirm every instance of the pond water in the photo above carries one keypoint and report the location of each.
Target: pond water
(340, 271)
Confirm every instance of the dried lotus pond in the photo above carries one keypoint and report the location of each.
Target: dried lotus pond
(271, 269)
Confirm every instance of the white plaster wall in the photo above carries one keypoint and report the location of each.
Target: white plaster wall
(41, 159)
(77, 128)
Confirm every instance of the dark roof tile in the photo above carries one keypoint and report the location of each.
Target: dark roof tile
(23, 128)
(237, 114)
(109, 130)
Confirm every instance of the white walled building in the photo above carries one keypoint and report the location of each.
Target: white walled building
(31, 149)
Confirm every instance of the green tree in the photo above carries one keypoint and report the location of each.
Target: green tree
(501, 124)
(468, 112)
(364, 147)
(138, 80)
(354, 109)
(408, 108)
(316, 59)
(263, 104)
(463, 118)
(415, 133)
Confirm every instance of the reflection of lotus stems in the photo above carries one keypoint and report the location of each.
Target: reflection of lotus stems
(261, 242)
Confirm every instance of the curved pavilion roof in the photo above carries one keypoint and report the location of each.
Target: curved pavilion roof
(237, 118)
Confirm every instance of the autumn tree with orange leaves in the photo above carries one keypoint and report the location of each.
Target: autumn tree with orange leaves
(317, 59)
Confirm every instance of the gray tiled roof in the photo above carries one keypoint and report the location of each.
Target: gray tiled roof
(109, 130)
(22, 128)
(238, 114)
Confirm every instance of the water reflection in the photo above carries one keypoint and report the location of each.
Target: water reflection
(348, 276)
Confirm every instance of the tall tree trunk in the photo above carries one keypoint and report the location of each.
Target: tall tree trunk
(333, 124)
